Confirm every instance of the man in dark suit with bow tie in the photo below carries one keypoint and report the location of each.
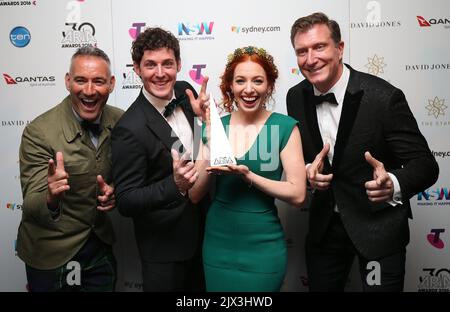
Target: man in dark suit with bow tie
(152, 180)
(365, 159)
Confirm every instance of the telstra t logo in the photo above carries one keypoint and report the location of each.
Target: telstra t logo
(135, 30)
(434, 238)
(196, 73)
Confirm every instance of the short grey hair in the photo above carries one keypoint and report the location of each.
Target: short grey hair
(91, 51)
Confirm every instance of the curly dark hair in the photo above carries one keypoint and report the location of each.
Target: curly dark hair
(240, 55)
(153, 39)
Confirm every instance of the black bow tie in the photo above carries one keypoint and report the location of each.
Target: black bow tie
(94, 128)
(170, 108)
(329, 97)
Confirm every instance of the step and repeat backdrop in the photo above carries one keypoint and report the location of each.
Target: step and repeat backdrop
(405, 42)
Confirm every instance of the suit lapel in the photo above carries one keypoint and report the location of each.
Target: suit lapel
(311, 119)
(190, 115)
(156, 123)
(352, 101)
(159, 125)
(185, 106)
(107, 125)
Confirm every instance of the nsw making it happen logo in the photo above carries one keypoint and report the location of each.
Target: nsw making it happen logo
(195, 31)
(20, 36)
(434, 197)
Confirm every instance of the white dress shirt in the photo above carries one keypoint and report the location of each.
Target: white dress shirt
(177, 121)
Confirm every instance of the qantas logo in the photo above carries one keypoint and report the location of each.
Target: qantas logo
(8, 79)
(433, 21)
(423, 22)
(34, 81)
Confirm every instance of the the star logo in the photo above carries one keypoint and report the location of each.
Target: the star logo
(436, 107)
(375, 65)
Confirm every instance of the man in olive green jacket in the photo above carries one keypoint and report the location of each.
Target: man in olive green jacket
(65, 235)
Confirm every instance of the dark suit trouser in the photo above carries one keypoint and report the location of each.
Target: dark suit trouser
(177, 276)
(329, 263)
(97, 271)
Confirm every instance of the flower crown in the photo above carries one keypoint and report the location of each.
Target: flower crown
(250, 50)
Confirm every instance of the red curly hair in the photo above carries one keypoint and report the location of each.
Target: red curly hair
(256, 55)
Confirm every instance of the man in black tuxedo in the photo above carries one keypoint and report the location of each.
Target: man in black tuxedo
(151, 178)
(365, 159)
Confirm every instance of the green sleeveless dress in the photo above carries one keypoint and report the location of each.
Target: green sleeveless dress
(244, 247)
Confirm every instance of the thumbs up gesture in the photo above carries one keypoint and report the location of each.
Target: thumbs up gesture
(314, 174)
(381, 188)
(106, 199)
(57, 181)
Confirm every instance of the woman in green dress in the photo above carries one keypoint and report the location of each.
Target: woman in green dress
(244, 247)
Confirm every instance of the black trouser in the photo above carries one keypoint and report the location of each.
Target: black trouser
(177, 276)
(97, 271)
(329, 263)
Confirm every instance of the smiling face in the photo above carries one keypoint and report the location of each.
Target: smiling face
(89, 82)
(158, 70)
(319, 57)
(249, 86)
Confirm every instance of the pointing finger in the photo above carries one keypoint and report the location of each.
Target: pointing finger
(190, 95)
(324, 152)
(175, 155)
(101, 182)
(204, 84)
(59, 161)
(372, 161)
(51, 167)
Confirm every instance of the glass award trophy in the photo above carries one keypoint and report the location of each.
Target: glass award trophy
(220, 148)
